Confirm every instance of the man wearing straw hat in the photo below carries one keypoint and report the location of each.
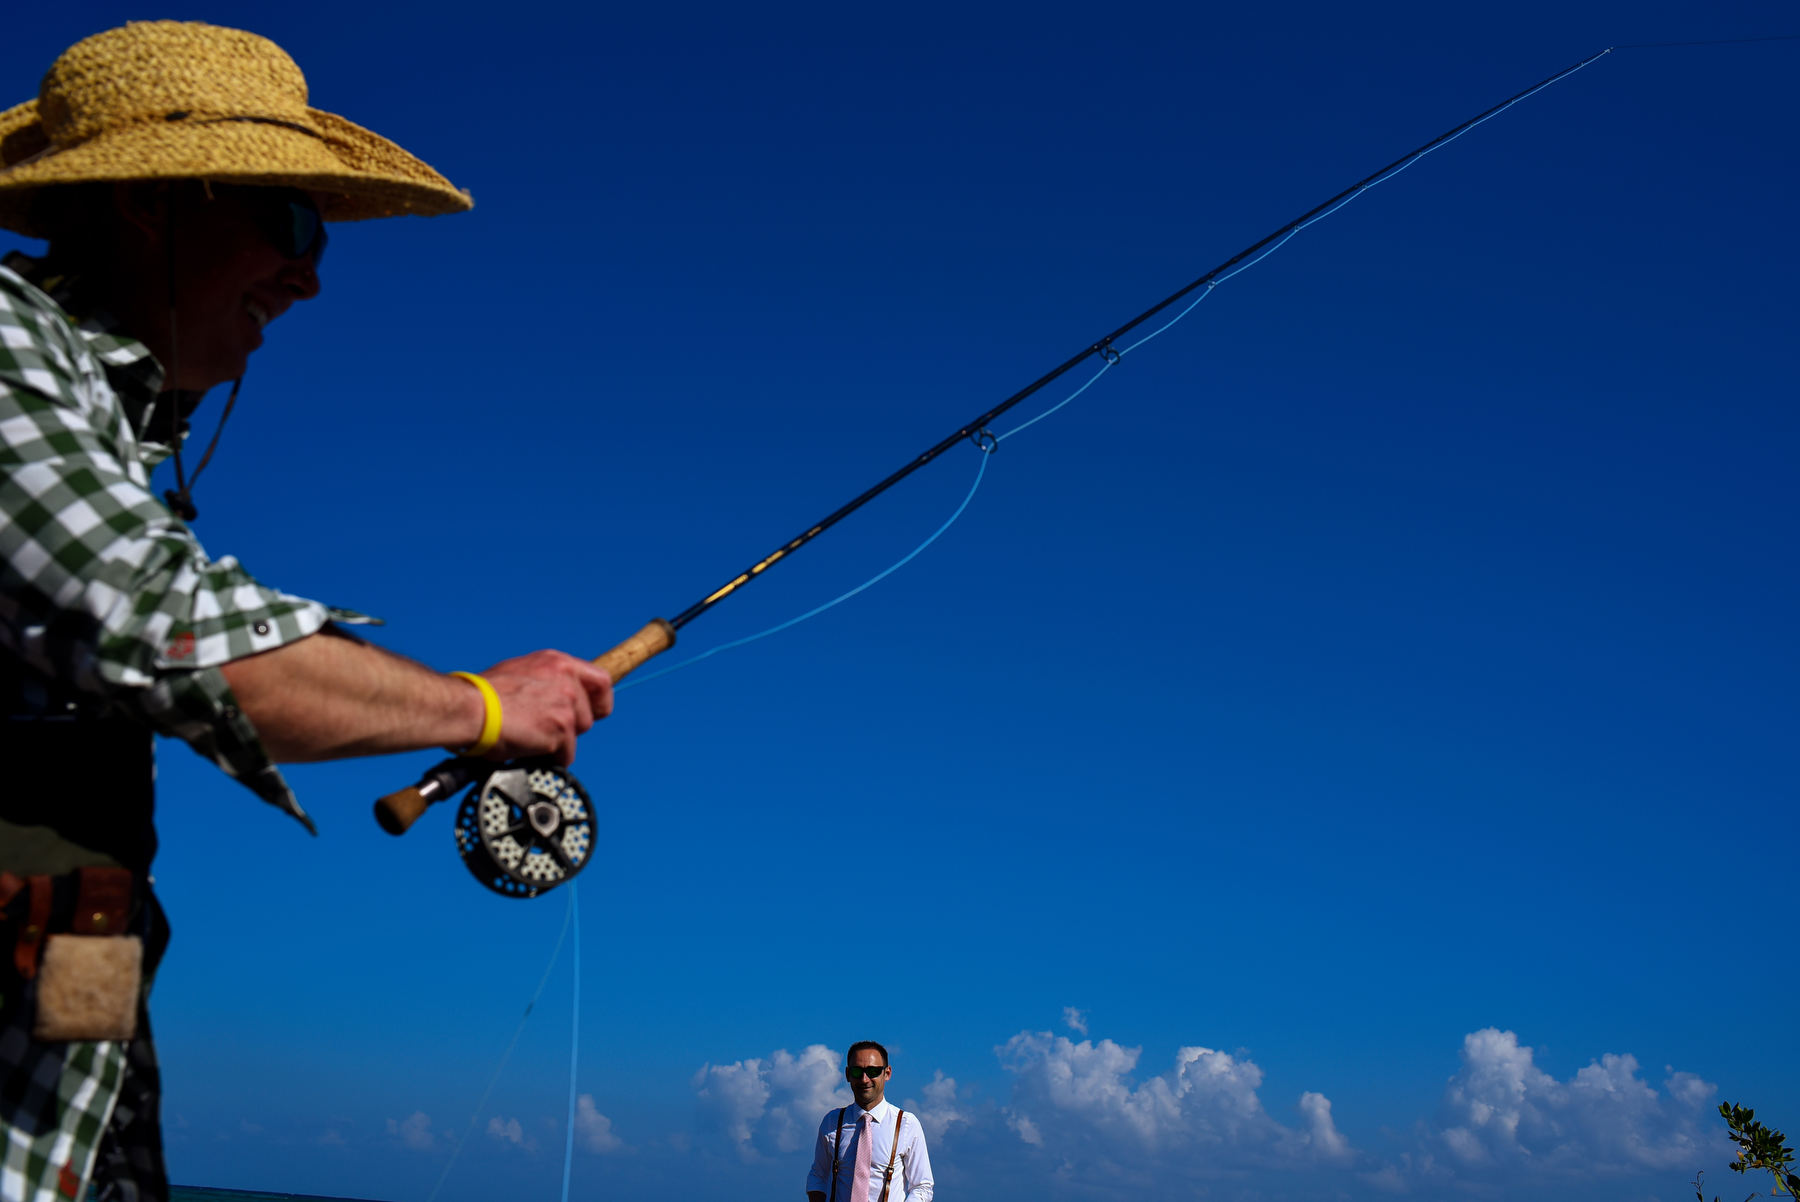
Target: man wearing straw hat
(182, 182)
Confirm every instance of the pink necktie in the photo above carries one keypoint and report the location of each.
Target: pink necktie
(859, 1181)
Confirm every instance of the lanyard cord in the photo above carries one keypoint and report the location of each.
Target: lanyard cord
(180, 499)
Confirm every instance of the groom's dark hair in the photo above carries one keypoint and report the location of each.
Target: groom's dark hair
(866, 1045)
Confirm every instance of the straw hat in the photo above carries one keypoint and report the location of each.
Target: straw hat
(181, 100)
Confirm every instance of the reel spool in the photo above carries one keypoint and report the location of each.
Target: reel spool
(527, 828)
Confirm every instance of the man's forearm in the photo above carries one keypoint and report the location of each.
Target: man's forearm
(329, 696)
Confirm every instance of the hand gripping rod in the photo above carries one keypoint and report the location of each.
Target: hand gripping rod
(397, 811)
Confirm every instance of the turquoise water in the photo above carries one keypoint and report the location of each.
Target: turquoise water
(197, 1193)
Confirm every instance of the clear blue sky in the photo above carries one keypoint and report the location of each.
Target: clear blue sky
(1390, 669)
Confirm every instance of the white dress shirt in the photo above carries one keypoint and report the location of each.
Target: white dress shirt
(912, 1167)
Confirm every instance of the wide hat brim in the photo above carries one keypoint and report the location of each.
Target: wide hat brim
(356, 174)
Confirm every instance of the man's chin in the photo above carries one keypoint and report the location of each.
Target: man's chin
(205, 379)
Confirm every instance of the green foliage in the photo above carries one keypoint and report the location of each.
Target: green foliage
(1760, 1149)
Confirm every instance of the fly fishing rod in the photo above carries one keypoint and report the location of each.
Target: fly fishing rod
(528, 826)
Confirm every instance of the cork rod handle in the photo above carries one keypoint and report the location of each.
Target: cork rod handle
(656, 637)
(399, 810)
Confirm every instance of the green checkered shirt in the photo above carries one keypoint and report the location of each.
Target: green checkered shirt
(102, 588)
(65, 1096)
(109, 595)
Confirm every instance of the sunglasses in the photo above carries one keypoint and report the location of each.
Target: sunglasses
(288, 219)
(855, 1071)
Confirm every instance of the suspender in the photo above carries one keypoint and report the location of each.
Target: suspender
(837, 1147)
(893, 1151)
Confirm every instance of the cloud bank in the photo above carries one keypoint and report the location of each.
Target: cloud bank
(1082, 1118)
(1504, 1116)
(1086, 1093)
(771, 1105)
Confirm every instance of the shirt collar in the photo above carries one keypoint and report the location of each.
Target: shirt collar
(879, 1114)
(133, 373)
(131, 369)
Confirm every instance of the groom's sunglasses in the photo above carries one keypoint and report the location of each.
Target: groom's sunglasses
(855, 1071)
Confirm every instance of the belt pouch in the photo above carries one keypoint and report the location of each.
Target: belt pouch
(85, 980)
(87, 987)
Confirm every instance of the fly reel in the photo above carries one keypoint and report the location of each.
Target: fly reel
(528, 827)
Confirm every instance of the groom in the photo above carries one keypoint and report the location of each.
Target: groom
(869, 1141)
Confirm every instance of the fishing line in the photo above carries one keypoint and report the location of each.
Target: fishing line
(574, 1044)
(569, 915)
(397, 811)
(842, 597)
(1092, 380)
(1212, 281)
(978, 432)
(1110, 357)
(1104, 347)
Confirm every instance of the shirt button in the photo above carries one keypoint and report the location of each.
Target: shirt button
(261, 628)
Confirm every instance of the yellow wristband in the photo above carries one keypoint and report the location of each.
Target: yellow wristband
(490, 722)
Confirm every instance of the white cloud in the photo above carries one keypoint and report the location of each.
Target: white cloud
(1688, 1089)
(735, 1095)
(510, 1131)
(941, 1109)
(771, 1106)
(414, 1132)
(1322, 1135)
(1081, 1118)
(1504, 1115)
(1083, 1097)
(1075, 1020)
(802, 1088)
(593, 1129)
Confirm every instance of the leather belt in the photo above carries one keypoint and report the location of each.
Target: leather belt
(88, 901)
